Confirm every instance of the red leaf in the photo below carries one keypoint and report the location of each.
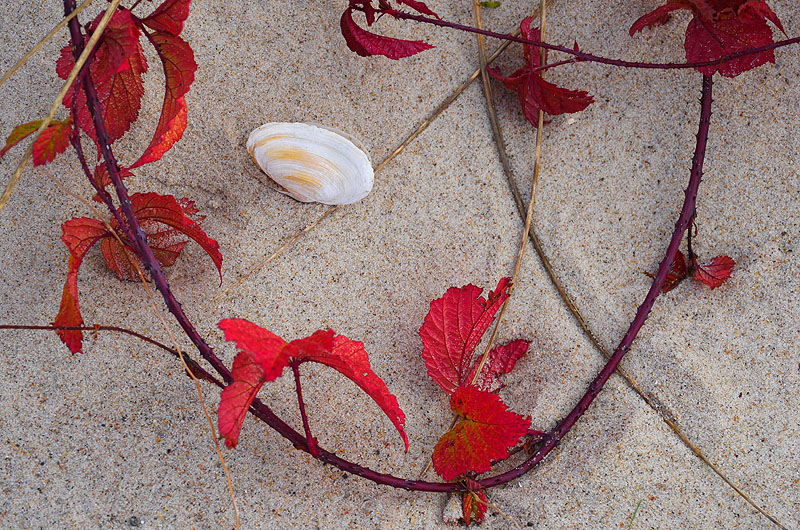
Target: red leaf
(270, 354)
(79, 235)
(168, 226)
(501, 361)
(248, 378)
(485, 432)
(473, 503)
(264, 347)
(709, 41)
(116, 69)
(533, 91)
(714, 273)
(420, 7)
(657, 17)
(263, 357)
(19, 133)
(366, 44)
(53, 140)
(179, 68)
(453, 328)
(677, 273)
(350, 359)
(168, 17)
(759, 8)
(720, 28)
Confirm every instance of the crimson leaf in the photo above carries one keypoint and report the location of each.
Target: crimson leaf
(453, 328)
(678, 272)
(264, 356)
(715, 272)
(179, 68)
(365, 43)
(169, 224)
(473, 503)
(168, 17)
(720, 28)
(533, 91)
(79, 235)
(484, 433)
(116, 69)
(501, 360)
(350, 359)
(53, 140)
(419, 7)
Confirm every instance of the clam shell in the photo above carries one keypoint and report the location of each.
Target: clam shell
(311, 163)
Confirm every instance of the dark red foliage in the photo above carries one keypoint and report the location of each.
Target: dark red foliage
(452, 330)
(168, 17)
(715, 272)
(677, 273)
(116, 68)
(534, 92)
(179, 68)
(473, 503)
(168, 223)
(366, 43)
(264, 355)
(718, 29)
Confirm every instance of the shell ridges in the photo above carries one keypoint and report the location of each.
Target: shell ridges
(311, 163)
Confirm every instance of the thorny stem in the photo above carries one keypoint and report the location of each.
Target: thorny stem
(139, 239)
(644, 310)
(588, 56)
(75, 140)
(310, 440)
(689, 236)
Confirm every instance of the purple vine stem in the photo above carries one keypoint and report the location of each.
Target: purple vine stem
(685, 218)
(139, 239)
(262, 411)
(588, 56)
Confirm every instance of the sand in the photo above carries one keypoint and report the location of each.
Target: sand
(116, 438)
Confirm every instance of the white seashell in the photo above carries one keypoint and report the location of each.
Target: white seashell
(311, 163)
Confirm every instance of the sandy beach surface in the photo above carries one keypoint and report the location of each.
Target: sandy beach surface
(115, 438)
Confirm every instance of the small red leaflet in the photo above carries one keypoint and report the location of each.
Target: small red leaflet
(264, 355)
(484, 433)
(678, 272)
(473, 504)
(533, 91)
(715, 272)
(54, 139)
